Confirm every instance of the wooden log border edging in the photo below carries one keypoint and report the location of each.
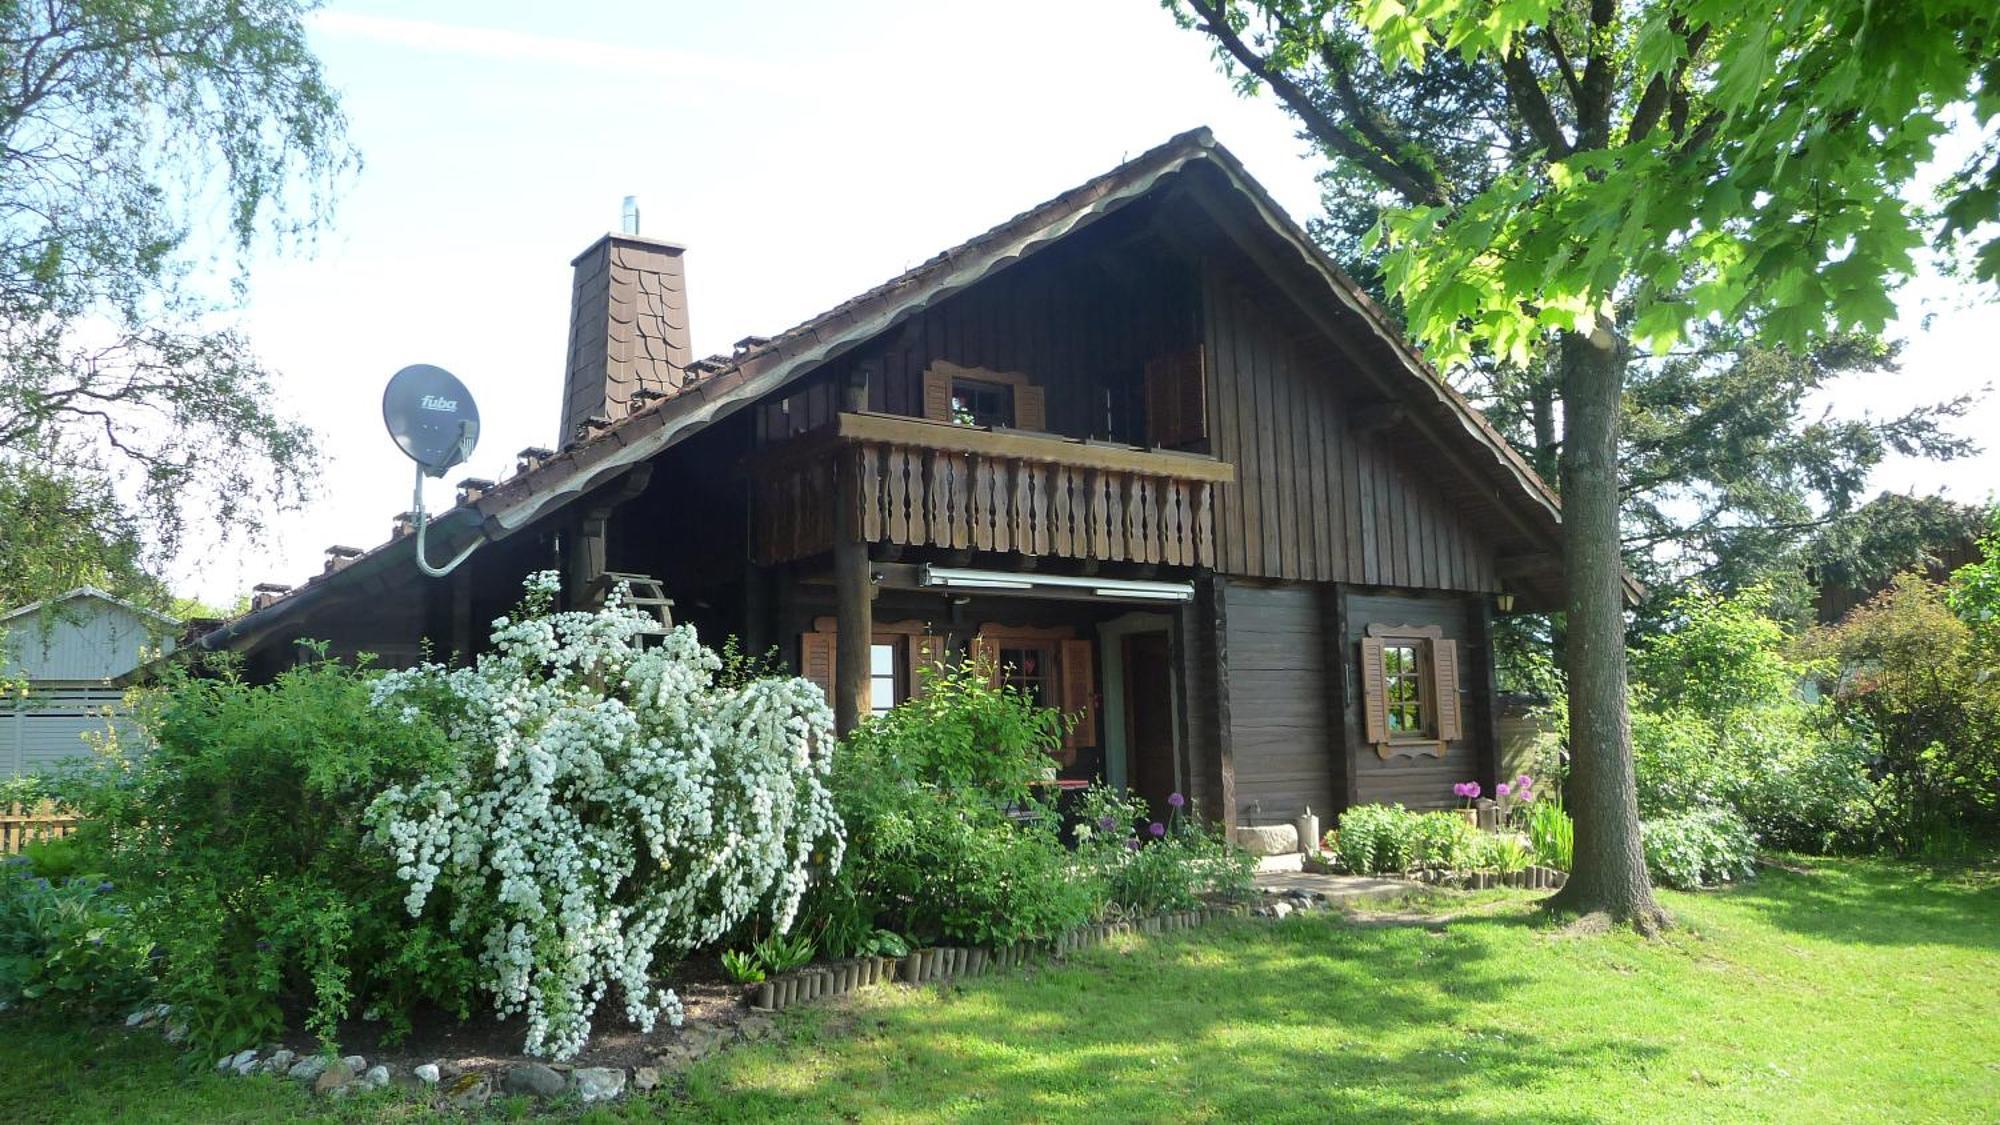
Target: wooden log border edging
(943, 963)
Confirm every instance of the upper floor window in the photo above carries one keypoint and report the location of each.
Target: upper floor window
(975, 402)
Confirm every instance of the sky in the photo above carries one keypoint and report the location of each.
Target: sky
(802, 152)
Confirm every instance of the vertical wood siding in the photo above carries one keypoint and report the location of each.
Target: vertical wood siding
(1314, 500)
(1057, 319)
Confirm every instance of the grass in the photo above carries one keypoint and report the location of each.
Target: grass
(1860, 990)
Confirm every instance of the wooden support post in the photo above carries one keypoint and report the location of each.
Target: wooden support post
(853, 586)
(1485, 692)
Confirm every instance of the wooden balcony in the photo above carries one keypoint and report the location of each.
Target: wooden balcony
(918, 483)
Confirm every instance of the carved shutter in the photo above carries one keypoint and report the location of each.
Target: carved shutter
(1374, 693)
(1079, 693)
(937, 396)
(1176, 399)
(1031, 409)
(985, 652)
(816, 660)
(1444, 678)
(923, 653)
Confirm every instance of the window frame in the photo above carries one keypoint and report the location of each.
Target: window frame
(1003, 393)
(1432, 739)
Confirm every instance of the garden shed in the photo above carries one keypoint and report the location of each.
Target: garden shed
(71, 652)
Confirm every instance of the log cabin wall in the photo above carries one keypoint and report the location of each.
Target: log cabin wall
(1283, 737)
(1316, 498)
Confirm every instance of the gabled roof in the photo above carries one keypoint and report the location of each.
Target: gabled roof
(89, 592)
(768, 365)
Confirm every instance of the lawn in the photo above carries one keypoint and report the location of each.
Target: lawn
(1856, 991)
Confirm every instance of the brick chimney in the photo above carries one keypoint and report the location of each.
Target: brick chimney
(628, 328)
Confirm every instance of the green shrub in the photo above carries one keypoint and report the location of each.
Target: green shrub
(1908, 672)
(1698, 848)
(1149, 866)
(239, 840)
(1719, 718)
(948, 835)
(1373, 839)
(1387, 839)
(67, 946)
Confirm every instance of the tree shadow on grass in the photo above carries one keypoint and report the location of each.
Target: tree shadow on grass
(1877, 902)
(1310, 1019)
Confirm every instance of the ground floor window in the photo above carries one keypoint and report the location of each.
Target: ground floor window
(882, 682)
(1031, 671)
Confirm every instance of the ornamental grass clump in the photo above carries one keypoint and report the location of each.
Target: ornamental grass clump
(612, 804)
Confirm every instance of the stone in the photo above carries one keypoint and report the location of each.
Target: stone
(336, 1076)
(533, 1078)
(309, 1068)
(599, 1083)
(176, 1033)
(645, 1078)
(1280, 909)
(145, 1017)
(280, 1062)
(755, 1026)
(468, 1091)
(376, 1078)
(356, 1063)
(427, 1073)
(1268, 839)
(245, 1067)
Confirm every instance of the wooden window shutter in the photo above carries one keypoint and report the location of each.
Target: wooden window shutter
(984, 651)
(1374, 693)
(1444, 682)
(1079, 693)
(923, 653)
(937, 396)
(816, 655)
(1177, 398)
(1031, 408)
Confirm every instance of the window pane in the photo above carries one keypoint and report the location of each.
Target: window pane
(882, 660)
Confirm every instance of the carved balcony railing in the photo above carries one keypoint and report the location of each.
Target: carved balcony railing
(918, 483)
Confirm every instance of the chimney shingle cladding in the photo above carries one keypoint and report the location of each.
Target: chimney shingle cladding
(628, 328)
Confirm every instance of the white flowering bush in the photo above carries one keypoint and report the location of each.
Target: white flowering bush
(613, 805)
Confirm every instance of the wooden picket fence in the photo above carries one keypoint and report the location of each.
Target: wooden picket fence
(21, 825)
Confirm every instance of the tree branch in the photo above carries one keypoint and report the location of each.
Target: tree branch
(1322, 125)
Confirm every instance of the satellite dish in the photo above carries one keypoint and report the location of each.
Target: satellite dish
(431, 417)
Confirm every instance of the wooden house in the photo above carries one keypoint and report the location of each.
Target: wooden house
(1144, 444)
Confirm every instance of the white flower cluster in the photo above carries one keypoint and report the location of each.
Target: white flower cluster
(613, 806)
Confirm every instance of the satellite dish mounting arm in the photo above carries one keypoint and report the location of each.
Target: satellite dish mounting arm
(467, 436)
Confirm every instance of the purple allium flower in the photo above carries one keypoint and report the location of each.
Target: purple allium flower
(1107, 822)
(1502, 789)
(1133, 843)
(1459, 790)
(1525, 795)
(1523, 781)
(1472, 789)
(1157, 829)
(1176, 800)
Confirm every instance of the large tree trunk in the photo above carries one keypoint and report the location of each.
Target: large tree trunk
(1609, 876)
